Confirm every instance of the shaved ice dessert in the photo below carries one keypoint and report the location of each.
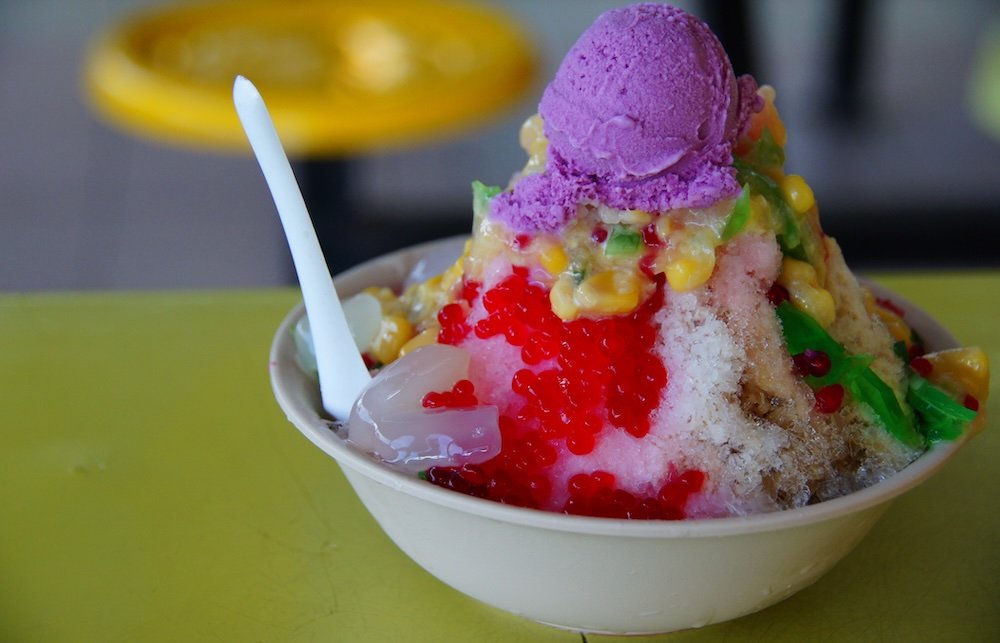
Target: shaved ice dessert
(648, 321)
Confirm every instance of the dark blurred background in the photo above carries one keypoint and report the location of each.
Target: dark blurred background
(875, 95)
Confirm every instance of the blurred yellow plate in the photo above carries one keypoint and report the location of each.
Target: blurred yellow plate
(338, 77)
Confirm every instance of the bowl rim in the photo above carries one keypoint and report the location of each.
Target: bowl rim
(319, 432)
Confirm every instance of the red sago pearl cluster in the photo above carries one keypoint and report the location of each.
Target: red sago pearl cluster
(596, 495)
(816, 363)
(461, 395)
(603, 368)
(452, 317)
(578, 377)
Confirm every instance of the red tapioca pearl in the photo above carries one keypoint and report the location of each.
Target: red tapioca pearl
(470, 290)
(494, 300)
(552, 430)
(577, 506)
(539, 488)
(432, 400)
(777, 294)
(521, 241)
(451, 314)
(522, 381)
(618, 416)
(580, 442)
(612, 345)
(829, 398)
(516, 333)
(538, 348)
(812, 362)
(970, 403)
(623, 504)
(639, 427)
(544, 454)
(520, 456)
(520, 272)
(647, 509)
(592, 423)
(487, 327)
(463, 388)
(675, 492)
(454, 334)
(922, 366)
(601, 503)
(915, 350)
(599, 234)
(582, 484)
(603, 478)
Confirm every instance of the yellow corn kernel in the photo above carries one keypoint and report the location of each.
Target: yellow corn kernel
(611, 292)
(798, 193)
(962, 370)
(815, 302)
(689, 271)
(802, 283)
(553, 258)
(395, 331)
(453, 274)
(793, 270)
(533, 141)
(663, 227)
(635, 217)
(424, 338)
(561, 298)
(898, 328)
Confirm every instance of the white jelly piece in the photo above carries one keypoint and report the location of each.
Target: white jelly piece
(364, 318)
(389, 421)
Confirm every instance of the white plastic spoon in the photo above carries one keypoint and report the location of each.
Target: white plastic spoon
(342, 371)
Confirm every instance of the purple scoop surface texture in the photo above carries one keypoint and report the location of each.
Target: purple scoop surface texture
(642, 114)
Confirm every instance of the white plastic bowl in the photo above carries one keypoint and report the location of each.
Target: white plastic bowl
(594, 574)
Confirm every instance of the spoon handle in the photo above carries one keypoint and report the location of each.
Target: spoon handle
(342, 372)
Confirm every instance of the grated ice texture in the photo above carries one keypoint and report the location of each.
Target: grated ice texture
(701, 411)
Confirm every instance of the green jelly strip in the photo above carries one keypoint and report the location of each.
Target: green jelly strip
(623, 241)
(787, 226)
(853, 372)
(739, 216)
(766, 152)
(944, 418)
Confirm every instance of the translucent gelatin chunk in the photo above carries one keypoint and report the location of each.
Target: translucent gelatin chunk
(389, 421)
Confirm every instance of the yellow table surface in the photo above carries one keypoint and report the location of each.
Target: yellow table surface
(151, 490)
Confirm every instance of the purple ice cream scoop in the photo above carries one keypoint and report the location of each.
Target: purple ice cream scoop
(642, 114)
